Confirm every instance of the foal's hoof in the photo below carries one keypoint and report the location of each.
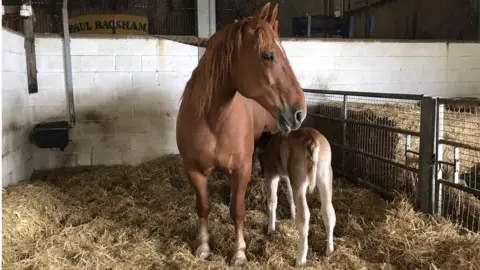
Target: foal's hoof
(270, 230)
(300, 263)
(203, 251)
(239, 259)
(329, 251)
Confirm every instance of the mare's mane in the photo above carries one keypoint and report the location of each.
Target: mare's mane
(215, 66)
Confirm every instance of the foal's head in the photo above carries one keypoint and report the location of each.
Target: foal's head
(260, 70)
(261, 148)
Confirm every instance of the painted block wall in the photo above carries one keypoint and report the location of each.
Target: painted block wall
(126, 94)
(127, 90)
(430, 68)
(17, 162)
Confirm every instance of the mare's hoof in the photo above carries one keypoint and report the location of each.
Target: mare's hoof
(239, 259)
(203, 251)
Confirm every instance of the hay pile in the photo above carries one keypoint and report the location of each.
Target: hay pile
(143, 217)
(459, 126)
(372, 140)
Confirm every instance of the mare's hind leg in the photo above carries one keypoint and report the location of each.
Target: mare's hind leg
(272, 183)
(324, 183)
(239, 179)
(199, 183)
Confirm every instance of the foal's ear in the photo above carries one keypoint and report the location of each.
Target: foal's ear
(259, 150)
(274, 15)
(263, 141)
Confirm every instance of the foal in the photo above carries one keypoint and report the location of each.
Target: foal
(303, 157)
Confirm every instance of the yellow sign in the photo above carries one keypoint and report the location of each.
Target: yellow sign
(109, 24)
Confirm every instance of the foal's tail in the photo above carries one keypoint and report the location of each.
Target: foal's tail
(312, 147)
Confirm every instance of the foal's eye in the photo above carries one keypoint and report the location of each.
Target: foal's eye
(268, 56)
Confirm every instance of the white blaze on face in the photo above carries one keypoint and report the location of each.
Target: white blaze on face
(277, 41)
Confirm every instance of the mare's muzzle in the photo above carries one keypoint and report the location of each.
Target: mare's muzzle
(289, 120)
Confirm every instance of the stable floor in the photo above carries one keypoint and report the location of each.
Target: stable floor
(143, 217)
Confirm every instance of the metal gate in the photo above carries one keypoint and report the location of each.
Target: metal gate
(457, 176)
(405, 144)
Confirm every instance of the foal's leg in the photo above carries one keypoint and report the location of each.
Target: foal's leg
(302, 220)
(239, 180)
(272, 183)
(199, 183)
(290, 198)
(324, 183)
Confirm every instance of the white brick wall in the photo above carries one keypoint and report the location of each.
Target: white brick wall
(127, 90)
(126, 97)
(433, 68)
(17, 161)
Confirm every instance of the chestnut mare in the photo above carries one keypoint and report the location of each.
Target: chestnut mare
(242, 86)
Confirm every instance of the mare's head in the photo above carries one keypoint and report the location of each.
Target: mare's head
(261, 70)
(247, 56)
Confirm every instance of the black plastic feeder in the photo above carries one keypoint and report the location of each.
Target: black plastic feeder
(51, 135)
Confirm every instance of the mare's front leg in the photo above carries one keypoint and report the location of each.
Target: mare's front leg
(239, 179)
(199, 182)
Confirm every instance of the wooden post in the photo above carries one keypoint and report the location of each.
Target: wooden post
(426, 194)
(30, 52)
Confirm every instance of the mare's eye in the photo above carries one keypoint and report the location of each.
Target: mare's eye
(268, 56)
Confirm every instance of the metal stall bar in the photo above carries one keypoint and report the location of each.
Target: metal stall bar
(344, 130)
(459, 145)
(373, 156)
(470, 190)
(366, 94)
(439, 156)
(344, 148)
(348, 121)
(456, 164)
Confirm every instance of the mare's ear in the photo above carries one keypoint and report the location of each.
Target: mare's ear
(273, 17)
(263, 14)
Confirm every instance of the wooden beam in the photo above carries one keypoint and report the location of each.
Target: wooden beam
(68, 64)
(11, 9)
(30, 53)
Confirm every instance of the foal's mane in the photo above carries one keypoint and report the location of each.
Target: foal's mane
(215, 66)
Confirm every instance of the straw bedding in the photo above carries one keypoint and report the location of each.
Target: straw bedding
(143, 217)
